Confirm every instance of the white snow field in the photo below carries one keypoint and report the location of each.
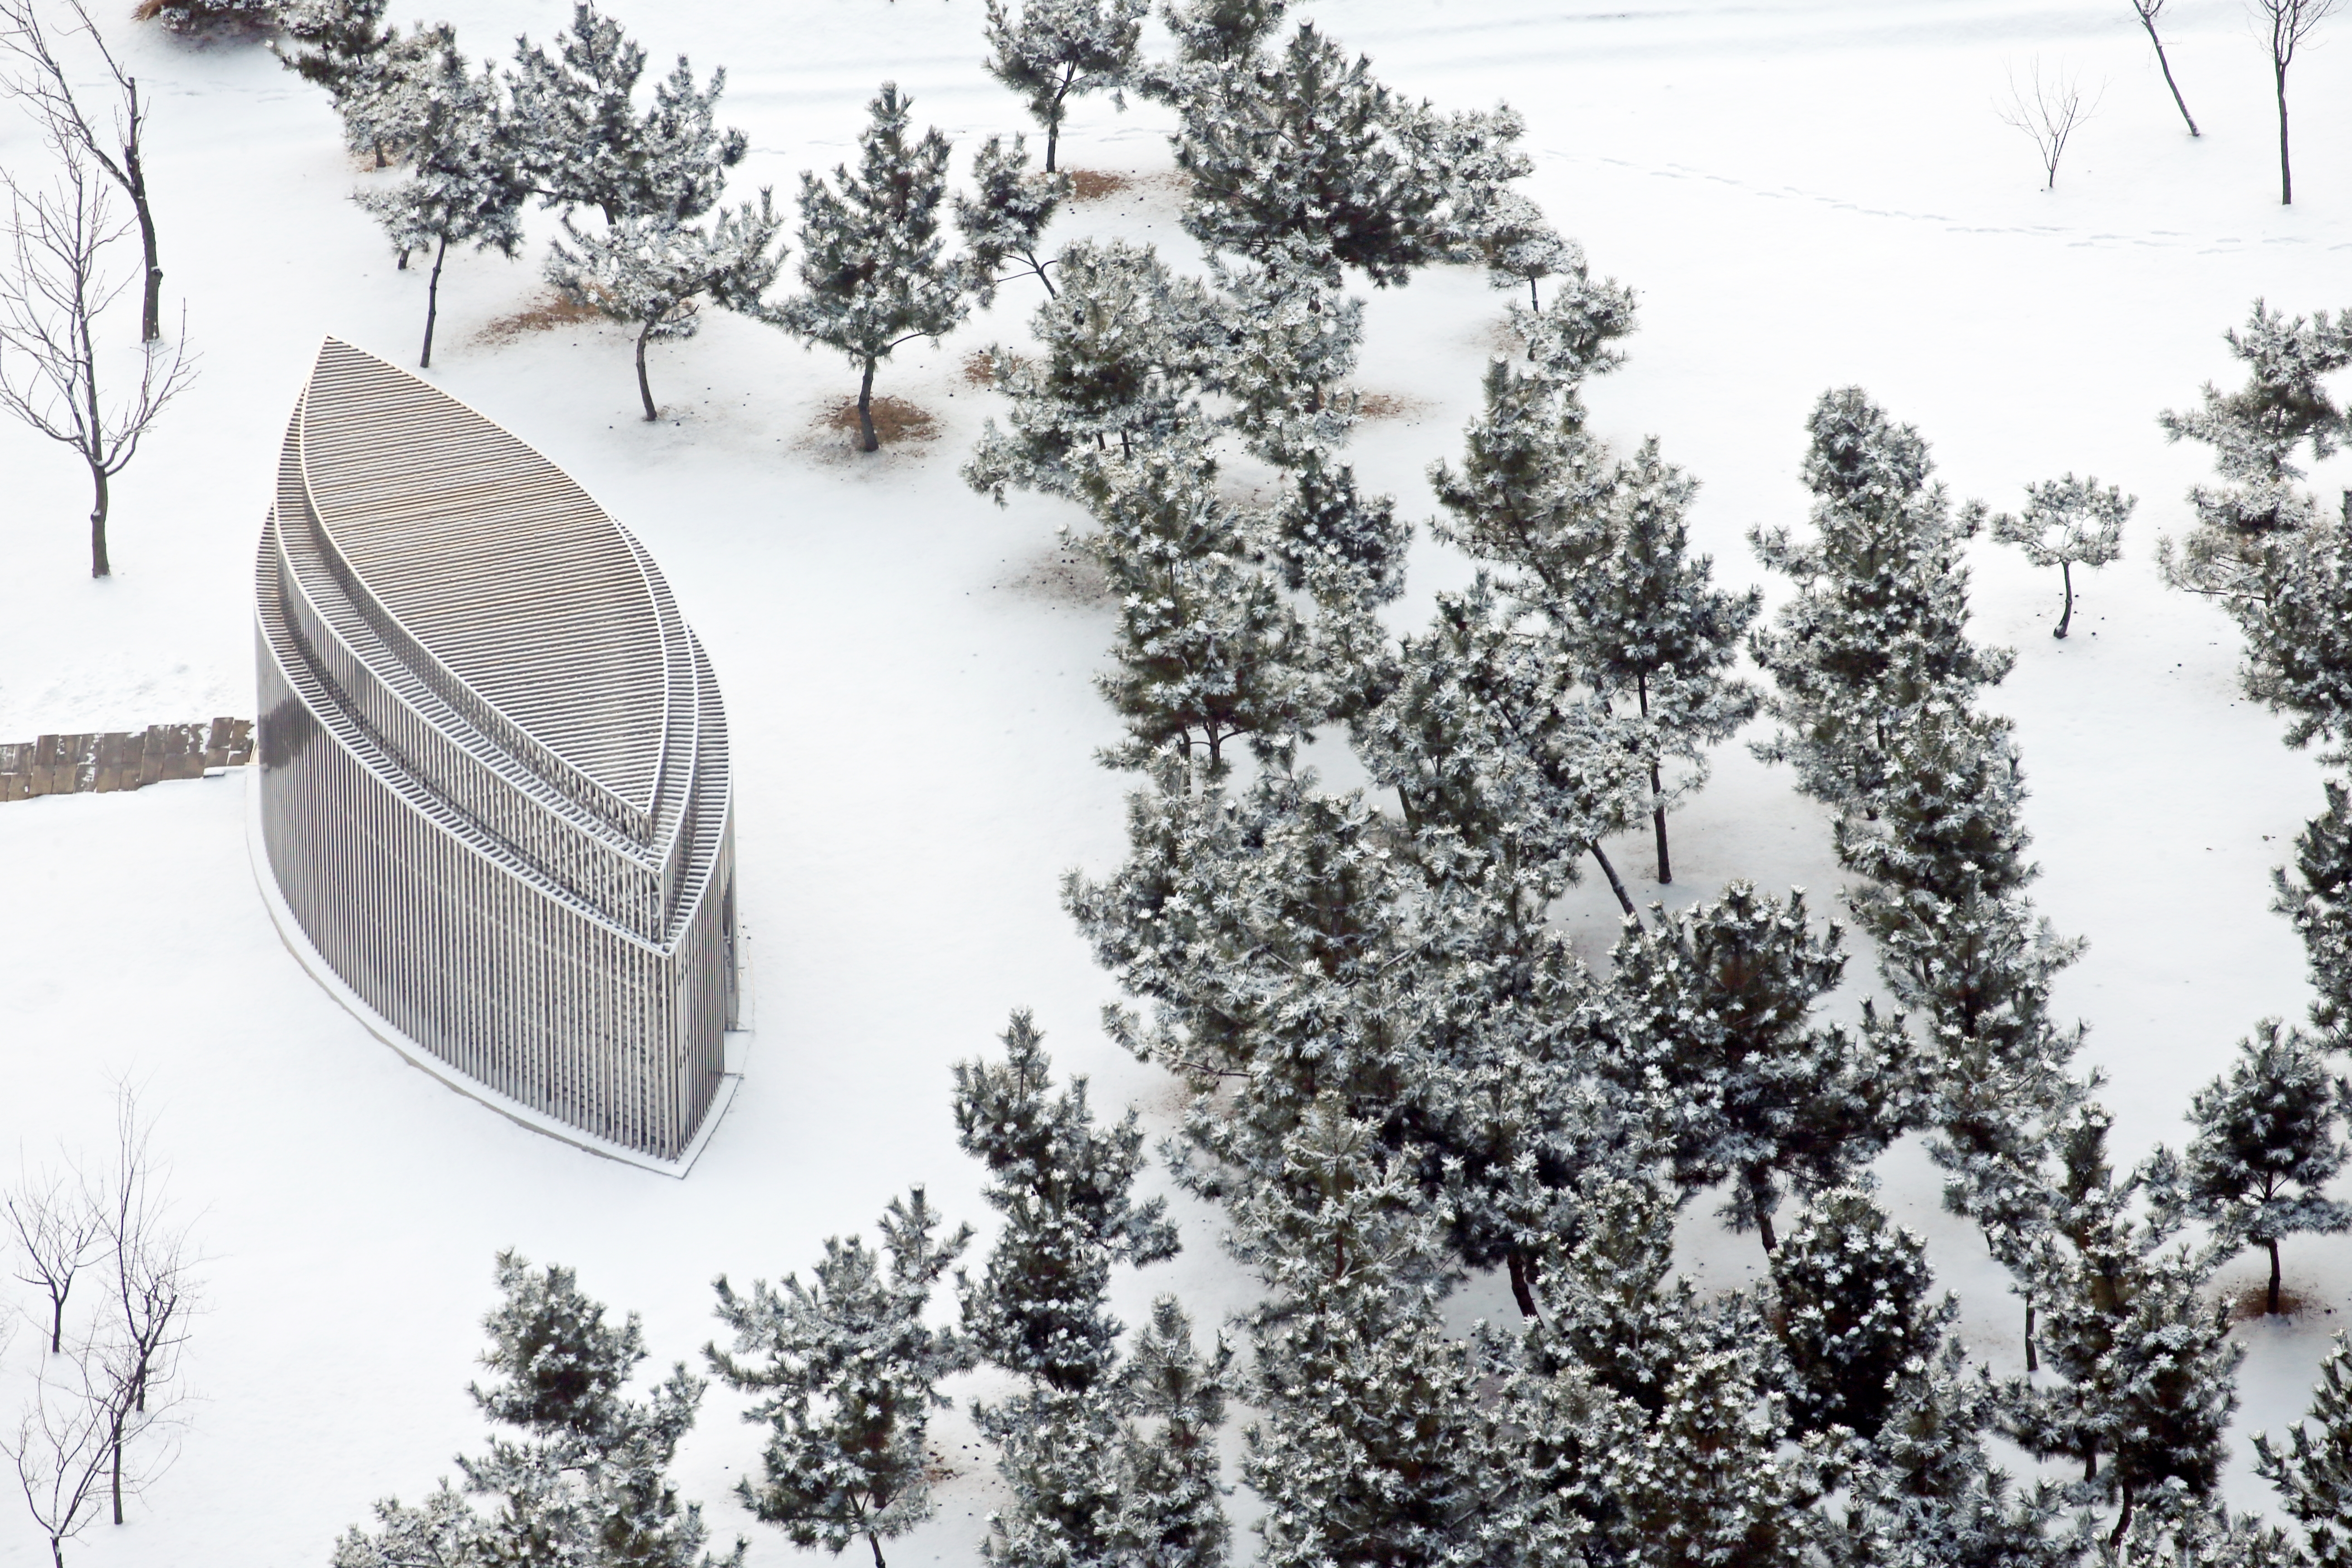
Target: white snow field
(1805, 192)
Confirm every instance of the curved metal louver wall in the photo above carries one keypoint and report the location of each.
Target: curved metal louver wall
(493, 761)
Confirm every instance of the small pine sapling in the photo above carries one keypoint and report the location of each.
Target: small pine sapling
(849, 1375)
(2314, 1476)
(1735, 1079)
(1054, 50)
(1005, 219)
(653, 273)
(2267, 1145)
(871, 251)
(2068, 523)
(1064, 1187)
(1855, 1317)
(463, 185)
(584, 141)
(1520, 248)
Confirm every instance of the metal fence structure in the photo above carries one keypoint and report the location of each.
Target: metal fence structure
(494, 784)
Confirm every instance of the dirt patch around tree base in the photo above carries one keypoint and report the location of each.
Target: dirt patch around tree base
(545, 314)
(1096, 184)
(2251, 1303)
(896, 421)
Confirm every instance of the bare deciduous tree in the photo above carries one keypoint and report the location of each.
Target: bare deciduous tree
(59, 1451)
(155, 1290)
(120, 151)
(54, 291)
(2147, 12)
(2050, 111)
(57, 1230)
(2285, 24)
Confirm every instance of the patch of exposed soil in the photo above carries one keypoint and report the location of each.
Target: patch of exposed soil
(2252, 1303)
(979, 366)
(1063, 575)
(896, 421)
(1095, 185)
(550, 311)
(1388, 406)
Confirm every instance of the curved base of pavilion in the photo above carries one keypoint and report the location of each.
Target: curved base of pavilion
(297, 942)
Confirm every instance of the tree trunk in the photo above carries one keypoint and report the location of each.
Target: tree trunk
(645, 390)
(99, 566)
(2286, 166)
(150, 313)
(1758, 1191)
(433, 302)
(1657, 792)
(2090, 1463)
(2032, 1356)
(1616, 884)
(117, 1472)
(2272, 1245)
(875, 1542)
(1517, 1264)
(2123, 1521)
(2166, 66)
(867, 441)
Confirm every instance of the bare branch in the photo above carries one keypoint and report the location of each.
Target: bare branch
(60, 1450)
(2285, 24)
(57, 1232)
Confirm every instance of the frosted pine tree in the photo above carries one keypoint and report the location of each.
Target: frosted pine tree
(653, 274)
(1878, 625)
(2313, 1474)
(1054, 50)
(1715, 1006)
(2258, 435)
(871, 263)
(344, 46)
(1172, 1512)
(1655, 622)
(1064, 1187)
(1855, 1317)
(1004, 219)
(2317, 896)
(1208, 651)
(846, 1373)
(463, 184)
(586, 1477)
(2269, 1140)
(1122, 353)
(586, 142)
(1520, 248)
(1292, 341)
(2068, 523)
(1376, 1447)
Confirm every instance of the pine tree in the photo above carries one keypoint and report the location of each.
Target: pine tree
(1519, 247)
(2314, 1476)
(1005, 218)
(1208, 651)
(1291, 340)
(1375, 1447)
(1655, 622)
(1123, 352)
(2319, 899)
(653, 273)
(1058, 49)
(464, 185)
(585, 144)
(1855, 1317)
(2257, 434)
(339, 44)
(1172, 1512)
(2267, 1145)
(587, 1481)
(871, 251)
(1715, 1007)
(849, 1375)
(2068, 523)
(1301, 158)
(1877, 624)
(2294, 619)
(1064, 1189)
(1059, 1453)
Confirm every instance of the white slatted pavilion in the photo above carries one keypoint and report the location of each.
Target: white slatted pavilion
(494, 788)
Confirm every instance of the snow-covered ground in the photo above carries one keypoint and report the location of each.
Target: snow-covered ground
(1805, 192)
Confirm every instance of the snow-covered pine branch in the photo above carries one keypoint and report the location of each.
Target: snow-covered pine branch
(1053, 50)
(654, 273)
